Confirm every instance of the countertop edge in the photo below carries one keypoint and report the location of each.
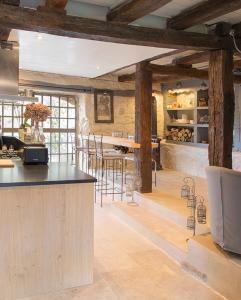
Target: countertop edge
(57, 182)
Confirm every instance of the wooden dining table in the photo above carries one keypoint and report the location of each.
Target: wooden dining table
(120, 141)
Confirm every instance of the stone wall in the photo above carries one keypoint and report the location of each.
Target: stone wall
(124, 115)
(190, 160)
(124, 106)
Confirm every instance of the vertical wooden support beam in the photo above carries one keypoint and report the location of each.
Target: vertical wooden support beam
(143, 105)
(221, 108)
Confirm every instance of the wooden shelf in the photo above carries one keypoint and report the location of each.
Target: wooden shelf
(202, 125)
(199, 130)
(202, 107)
(181, 125)
(175, 109)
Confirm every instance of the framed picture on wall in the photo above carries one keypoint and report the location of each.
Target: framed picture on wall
(104, 109)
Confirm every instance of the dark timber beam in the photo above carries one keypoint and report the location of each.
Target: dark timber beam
(143, 106)
(156, 79)
(5, 32)
(178, 72)
(221, 108)
(131, 10)
(237, 29)
(127, 77)
(10, 2)
(203, 12)
(76, 27)
(200, 57)
(168, 79)
(192, 59)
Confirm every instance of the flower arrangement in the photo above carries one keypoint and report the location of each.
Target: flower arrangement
(37, 112)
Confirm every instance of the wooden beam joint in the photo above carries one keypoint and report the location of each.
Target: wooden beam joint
(131, 10)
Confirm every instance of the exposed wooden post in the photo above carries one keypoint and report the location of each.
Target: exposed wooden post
(221, 108)
(143, 105)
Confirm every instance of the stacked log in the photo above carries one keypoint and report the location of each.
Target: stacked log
(180, 134)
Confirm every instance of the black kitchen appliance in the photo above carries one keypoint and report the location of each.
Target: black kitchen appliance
(35, 156)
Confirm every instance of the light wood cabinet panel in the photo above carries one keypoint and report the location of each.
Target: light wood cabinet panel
(46, 238)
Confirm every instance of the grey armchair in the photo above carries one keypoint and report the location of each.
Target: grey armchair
(224, 200)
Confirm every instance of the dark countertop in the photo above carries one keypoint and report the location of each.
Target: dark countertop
(53, 173)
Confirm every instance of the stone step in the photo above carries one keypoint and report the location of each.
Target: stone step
(168, 207)
(219, 269)
(169, 237)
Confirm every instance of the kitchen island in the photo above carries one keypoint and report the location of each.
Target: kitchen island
(46, 229)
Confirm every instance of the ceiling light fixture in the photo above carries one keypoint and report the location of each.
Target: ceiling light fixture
(39, 37)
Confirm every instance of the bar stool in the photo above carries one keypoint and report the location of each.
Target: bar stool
(107, 161)
(76, 148)
(88, 152)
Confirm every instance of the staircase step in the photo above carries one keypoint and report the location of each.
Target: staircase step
(169, 237)
(221, 270)
(168, 207)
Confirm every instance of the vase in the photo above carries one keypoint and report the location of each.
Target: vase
(37, 133)
(21, 133)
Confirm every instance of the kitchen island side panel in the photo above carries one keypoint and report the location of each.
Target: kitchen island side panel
(46, 238)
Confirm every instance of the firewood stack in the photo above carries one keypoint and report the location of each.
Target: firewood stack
(180, 134)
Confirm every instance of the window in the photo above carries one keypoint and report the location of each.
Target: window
(11, 117)
(59, 129)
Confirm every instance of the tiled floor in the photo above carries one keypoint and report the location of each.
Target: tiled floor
(128, 267)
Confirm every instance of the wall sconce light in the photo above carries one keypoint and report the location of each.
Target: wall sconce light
(203, 85)
(179, 85)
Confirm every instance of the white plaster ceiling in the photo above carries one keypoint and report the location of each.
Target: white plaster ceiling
(77, 57)
(109, 3)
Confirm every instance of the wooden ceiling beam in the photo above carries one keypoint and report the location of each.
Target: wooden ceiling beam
(168, 79)
(155, 79)
(176, 73)
(203, 12)
(127, 77)
(192, 59)
(77, 27)
(178, 70)
(200, 57)
(10, 2)
(237, 27)
(131, 10)
(4, 31)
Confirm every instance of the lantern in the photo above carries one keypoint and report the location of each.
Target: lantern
(191, 223)
(191, 201)
(185, 191)
(201, 212)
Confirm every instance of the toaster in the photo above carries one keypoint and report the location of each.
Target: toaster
(35, 155)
